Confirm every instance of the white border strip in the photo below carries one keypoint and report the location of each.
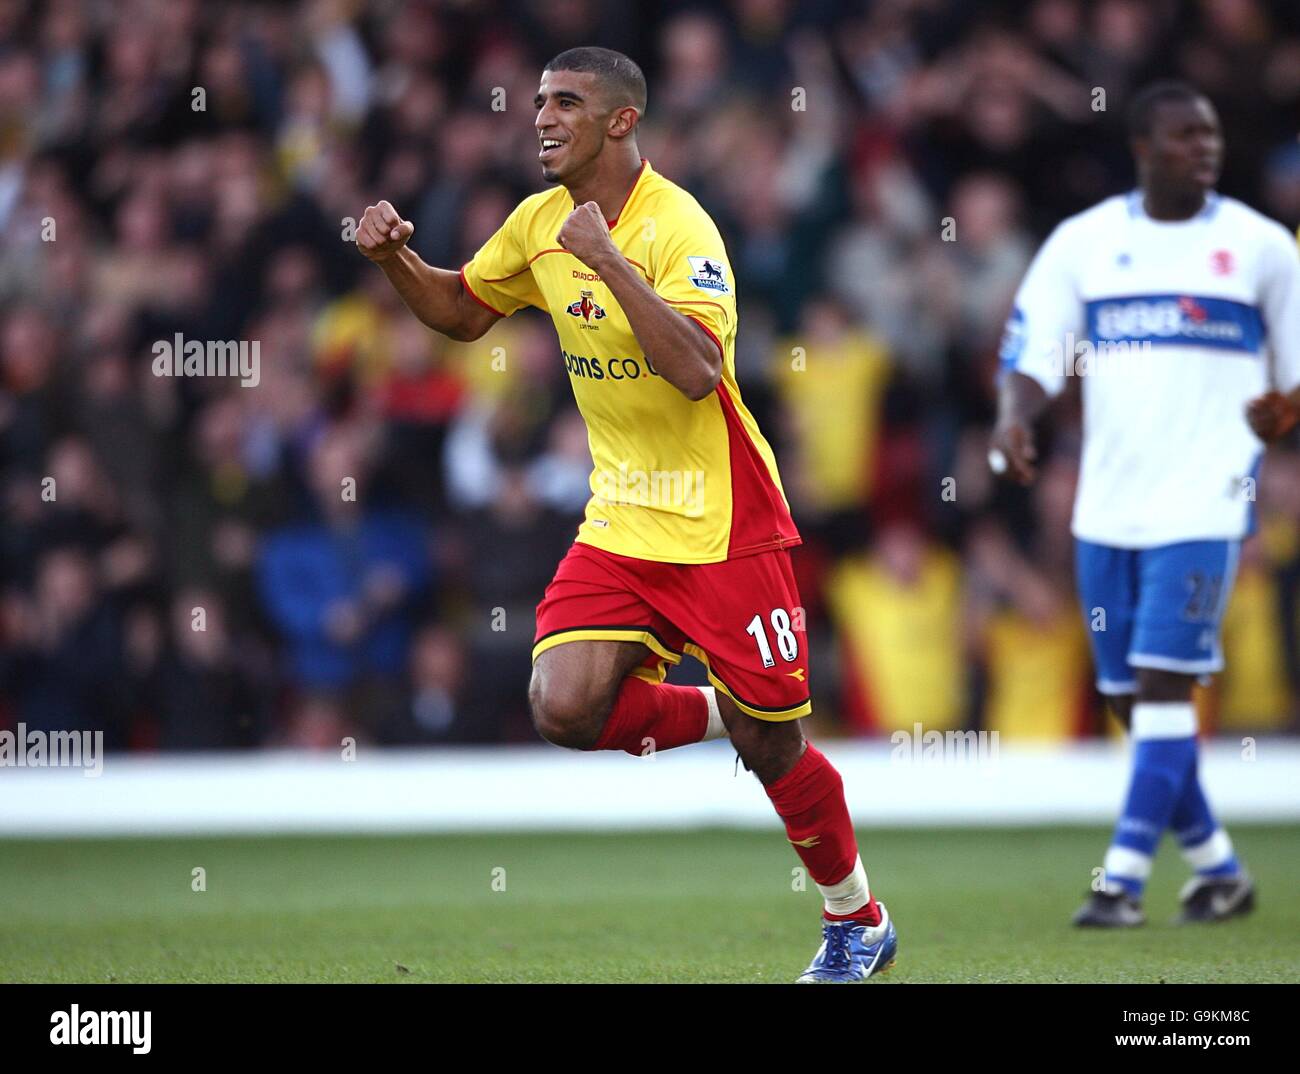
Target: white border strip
(540, 787)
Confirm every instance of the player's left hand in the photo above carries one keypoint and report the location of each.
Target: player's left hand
(1272, 415)
(586, 235)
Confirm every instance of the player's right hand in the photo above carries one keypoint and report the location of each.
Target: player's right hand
(382, 232)
(1015, 441)
(1272, 415)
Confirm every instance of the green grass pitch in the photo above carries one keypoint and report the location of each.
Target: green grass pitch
(702, 905)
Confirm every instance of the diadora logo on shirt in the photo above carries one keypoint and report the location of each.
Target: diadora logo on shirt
(1177, 319)
(709, 274)
(586, 309)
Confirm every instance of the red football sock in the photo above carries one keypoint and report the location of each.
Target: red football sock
(810, 799)
(654, 716)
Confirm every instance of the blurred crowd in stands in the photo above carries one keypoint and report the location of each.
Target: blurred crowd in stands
(177, 565)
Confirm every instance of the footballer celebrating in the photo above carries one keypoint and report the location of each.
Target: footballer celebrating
(684, 547)
(1193, 300)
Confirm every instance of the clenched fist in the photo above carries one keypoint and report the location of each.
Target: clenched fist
(586, 235)
(382, 232)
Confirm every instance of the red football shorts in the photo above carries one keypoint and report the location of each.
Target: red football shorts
(740, 618)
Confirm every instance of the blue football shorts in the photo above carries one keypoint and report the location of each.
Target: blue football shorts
(1154, 607)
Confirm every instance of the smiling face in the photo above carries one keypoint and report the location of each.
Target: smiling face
(574, 121)
(1183, 151)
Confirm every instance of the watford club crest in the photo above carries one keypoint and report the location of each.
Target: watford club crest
(586, 309)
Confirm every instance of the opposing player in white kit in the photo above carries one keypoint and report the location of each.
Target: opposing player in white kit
(1188, 308)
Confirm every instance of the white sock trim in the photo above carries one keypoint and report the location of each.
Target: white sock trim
(849, 894)
(1214, 851)
(1164, 719)
(1128, 863)
(715, 728)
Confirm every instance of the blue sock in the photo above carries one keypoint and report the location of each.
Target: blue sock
(1206, 846)
(1164, 756)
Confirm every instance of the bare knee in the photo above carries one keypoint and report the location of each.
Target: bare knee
(1122, 707)
(1156, 685)
(566, 713)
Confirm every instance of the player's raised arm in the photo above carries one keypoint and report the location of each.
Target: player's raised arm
(436, 296)
(681, 352)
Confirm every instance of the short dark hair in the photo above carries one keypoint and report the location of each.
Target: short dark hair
(618, 73)
(1141, 109)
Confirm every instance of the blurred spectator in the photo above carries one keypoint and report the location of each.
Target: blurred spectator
(208, 694)
(443, 702)
(831, 377)
(64, 652)
(340, 588)
(897, 612)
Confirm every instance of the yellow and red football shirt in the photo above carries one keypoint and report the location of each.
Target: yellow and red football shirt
(675, 480)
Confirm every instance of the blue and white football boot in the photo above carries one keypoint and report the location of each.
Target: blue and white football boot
(852, 952)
